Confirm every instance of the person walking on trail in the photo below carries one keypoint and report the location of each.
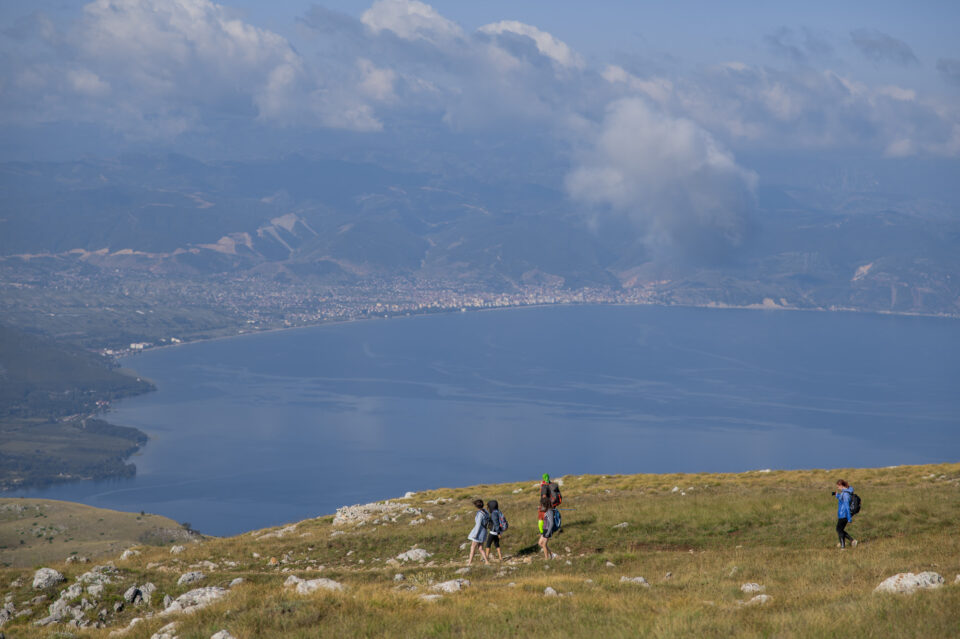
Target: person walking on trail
(479, 533)
(495, 528)
(844, 516)
(549, 527)
(550, 490)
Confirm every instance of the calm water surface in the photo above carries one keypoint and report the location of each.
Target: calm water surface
(263, 429)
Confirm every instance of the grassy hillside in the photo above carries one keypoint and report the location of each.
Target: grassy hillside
(36, 531)
(695, 538)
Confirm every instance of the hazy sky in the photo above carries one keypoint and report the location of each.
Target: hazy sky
(628, 97)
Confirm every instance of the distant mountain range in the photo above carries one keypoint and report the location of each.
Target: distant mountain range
(302, 219)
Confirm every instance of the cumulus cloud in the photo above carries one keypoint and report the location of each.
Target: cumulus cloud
(411, 20)
(153, 68)
(549, 46)
(669, 176)
(881, 47)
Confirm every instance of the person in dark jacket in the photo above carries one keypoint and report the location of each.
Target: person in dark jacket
(493, 529)
(843, 493)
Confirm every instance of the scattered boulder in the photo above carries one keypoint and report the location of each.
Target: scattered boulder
(414, 554)
(759, 600)
(133, 595)
(908, 583)
(304, 587)
(462, 571)
(191, 577)
(399, 577)
(129, 554)
(77, 559)
(46, 578)
(167, 632)
(622, 524)
(146, 592)
(176, 550)
(640, 581)
(751, 587)
(454, 585)
(195, 600)
(361, 514)
(610, 564)
(549, 592)
(223, 634)
(96, 590)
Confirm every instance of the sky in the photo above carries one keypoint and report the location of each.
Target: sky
(618, 103)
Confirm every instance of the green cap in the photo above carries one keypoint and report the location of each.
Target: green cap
(546, 477)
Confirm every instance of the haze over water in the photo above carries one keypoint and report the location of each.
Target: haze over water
(263, 429)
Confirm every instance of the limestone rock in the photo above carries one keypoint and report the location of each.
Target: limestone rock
(146, 592)
(549, 592)
(195, 600)
(399, 577)
(759, 600)
(46, 578)
(640, 581)
(431, 597)
(236, 582)
(622, 524)
(610, 564)
(454, 585)
(462, 571)
(191, 577)
(305, 587)
(129, 554)
(908, 583)
(751, 587)
(96, 590)
(223, 634)
(176, 550)
(167, 632)
(414, 554)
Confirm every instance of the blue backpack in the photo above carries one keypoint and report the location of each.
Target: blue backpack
(502, 521)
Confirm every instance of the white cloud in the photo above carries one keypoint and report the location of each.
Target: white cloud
(668, 175)
(547, 44)
(410, 20)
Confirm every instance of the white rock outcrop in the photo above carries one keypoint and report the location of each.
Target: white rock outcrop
(191, 577)
(195, 600)
(454, 585)
(129, 554)
(169, 631)
(759, 600)
(176, 550)
(640, 581)
(46, 578)
(908, 583)
(414, 554)
(751, 587)
(305, 587)
(363, 513)
(223, 634)
(549, 592)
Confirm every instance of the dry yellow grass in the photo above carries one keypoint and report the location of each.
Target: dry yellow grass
(773, 528)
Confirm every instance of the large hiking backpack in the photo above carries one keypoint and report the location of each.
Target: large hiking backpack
(854, 504)
(552, 491)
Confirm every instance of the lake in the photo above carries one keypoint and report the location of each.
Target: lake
(263, 429)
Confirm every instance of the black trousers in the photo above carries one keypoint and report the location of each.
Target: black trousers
(841, 533)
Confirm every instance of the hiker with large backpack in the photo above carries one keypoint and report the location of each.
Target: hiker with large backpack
(496, 527)
(479, 533)
(551, 491)
(848, 505)
(549, 526)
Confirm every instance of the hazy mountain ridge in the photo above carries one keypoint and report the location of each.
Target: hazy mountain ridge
(335, 222)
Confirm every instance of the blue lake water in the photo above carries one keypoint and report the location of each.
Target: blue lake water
(263, 429)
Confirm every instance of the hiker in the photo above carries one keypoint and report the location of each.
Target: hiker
(549, 526)
(550, 490)
(844, 516)
(479, 533)
(498, 524)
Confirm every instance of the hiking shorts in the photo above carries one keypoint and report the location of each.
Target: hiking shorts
(492, 540)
